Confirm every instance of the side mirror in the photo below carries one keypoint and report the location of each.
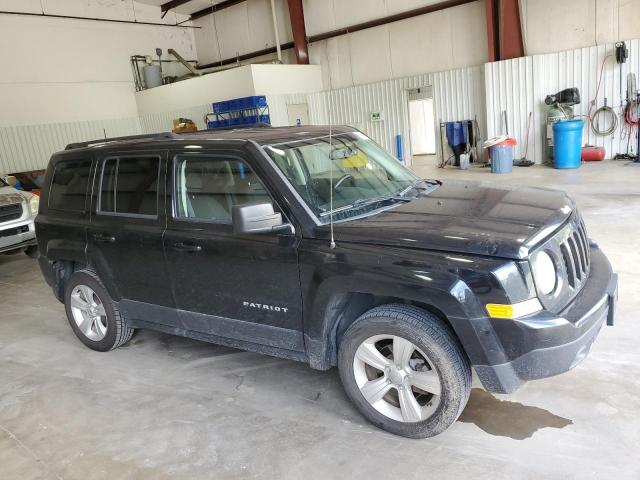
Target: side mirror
(257, 218)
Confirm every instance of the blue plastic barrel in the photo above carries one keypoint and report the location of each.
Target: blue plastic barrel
(501, 158)
(567, 143)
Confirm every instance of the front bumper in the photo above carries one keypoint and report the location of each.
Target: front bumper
(16, 235)
(544, 344)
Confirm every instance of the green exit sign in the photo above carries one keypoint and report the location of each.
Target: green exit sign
(376, 116)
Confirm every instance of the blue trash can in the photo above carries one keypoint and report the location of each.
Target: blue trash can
(567, 143)
(502, 156)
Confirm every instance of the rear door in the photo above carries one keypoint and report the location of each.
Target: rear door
(64, 208)
(244, 287)
(125, 233)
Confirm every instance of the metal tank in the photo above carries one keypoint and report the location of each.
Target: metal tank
(152, 76)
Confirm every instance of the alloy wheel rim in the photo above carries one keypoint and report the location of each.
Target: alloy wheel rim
(88, 312)
(396, 378)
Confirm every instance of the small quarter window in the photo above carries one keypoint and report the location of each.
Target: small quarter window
(208, 187)
(130, 186)
(69, 185)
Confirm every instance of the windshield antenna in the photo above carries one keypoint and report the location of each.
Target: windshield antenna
(332, 243)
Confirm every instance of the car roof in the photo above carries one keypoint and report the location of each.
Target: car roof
(262, 135)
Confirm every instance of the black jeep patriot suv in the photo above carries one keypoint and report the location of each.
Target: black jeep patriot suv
(315, 245)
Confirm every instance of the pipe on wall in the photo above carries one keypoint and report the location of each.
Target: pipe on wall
(275, 29)
(94, 19)
(198, 72)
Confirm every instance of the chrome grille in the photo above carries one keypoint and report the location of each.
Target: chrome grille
(575, 253)
(10, 212)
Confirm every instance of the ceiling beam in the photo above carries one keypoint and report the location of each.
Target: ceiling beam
(511, 42)
(390, 19)
(296, 14)
(504, 30)
(165, 7)
(215, 8)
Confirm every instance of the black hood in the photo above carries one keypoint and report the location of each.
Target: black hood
(466, 217)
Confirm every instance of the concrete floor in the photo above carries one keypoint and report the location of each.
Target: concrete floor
(168, 407)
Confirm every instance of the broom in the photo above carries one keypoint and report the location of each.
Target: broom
(524, 162)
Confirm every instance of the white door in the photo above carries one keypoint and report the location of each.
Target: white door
(298, 114)
(423, 130)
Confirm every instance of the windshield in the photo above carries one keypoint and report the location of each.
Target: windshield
(353, 170)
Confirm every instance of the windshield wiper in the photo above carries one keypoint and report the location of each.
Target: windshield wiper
(362, 202)
(395, 197)
(415, 183)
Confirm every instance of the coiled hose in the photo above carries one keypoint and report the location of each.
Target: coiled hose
(595, 124)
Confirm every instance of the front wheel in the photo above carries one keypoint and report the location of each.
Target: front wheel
(404, 370)
(93, 315)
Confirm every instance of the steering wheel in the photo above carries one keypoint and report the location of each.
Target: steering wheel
(341, 180)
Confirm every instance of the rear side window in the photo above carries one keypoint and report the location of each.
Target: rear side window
(130, 186)
(69, 185)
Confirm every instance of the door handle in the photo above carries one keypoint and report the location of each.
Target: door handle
(104, 238)
(186, 247)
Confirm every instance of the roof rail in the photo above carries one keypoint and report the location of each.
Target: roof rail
(244, 126)
(151, 136)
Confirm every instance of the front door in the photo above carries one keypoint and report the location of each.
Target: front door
(242, 287)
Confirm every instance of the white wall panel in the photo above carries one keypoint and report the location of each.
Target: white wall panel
(509, 88)
(442, 40)
(25, 148)
(520, 86)
(29, 147)
(67, 70)
(458, 95)
(370, 55)
(553, 25)
(240, 29)
(278, 107)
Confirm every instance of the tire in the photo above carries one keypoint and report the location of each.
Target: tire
(112, 331)
(436, 362)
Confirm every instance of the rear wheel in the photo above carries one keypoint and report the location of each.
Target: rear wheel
(93, 315)
(404, 370)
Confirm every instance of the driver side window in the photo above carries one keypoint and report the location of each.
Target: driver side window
(208, 187)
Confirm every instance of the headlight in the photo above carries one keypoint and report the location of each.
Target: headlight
(544, 272)
(34, 204)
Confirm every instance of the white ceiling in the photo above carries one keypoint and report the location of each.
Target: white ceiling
(187, 8)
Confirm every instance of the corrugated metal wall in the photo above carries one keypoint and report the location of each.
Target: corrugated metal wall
(278, 107)
(519, 86)
(458, 95)
(29, 147)
(163, 122)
